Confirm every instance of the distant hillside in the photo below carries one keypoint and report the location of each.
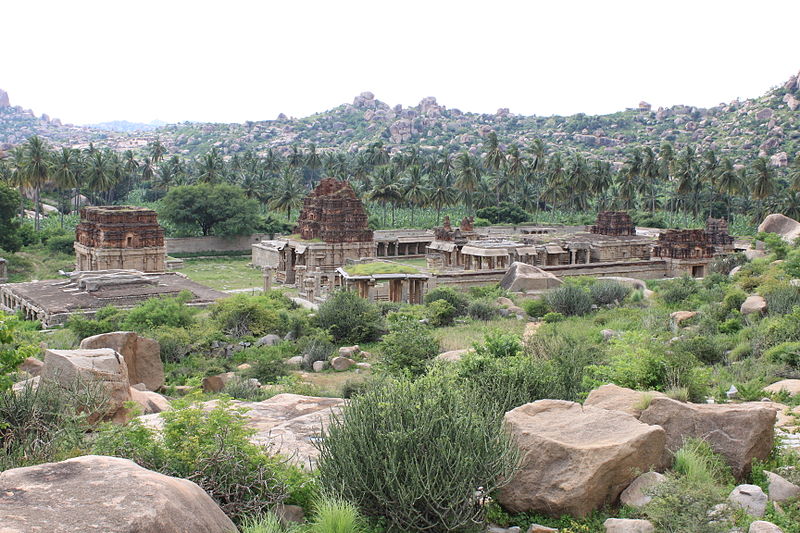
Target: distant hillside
(125, 126)
(742, 129)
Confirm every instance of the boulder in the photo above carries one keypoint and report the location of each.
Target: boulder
(341, 364)
(269, 340)
(244, 367)
(517, 311)
(538, 528)
(618, 398)
(679, 317)
(628, 525)
(780, 489)
(760, 526)
(753, 304)
(522, 277)
(108, 494)
(216, 383)
(32, 366)
(142, 356)
(287, 423)
(453, 356)
(319, 366)
(750, 498)
(296, 361)
(504, 302)
(787, 228)
(739, 432)
(349, 351)
(289, 514)
(636, 495)
(150, 402)
(792, 386)
(574, 458)
(764, 114)
(102, 365)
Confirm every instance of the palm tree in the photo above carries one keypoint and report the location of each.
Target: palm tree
(17, 177)
(468, 176)
(728, 182)
(272, 163)
(289, 193)
(66, 169)
(385, 189)
(157, 151)
(414, 188)
(709, 174)
(211, 167)
(441, 193)
(99, 171)
(686, 172)
(37, 168)
(313, 163)
(763, 179)
(794, 172)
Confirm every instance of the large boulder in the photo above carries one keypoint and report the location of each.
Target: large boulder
(522, 277)
(287, 423)
(739, 432)
(761, 526)
(791, 386)
(753, 304)
(216, 383)
(618, 398)
(150, 402)
(787, 228)
(574, 458)
(142, 355)
(104, 366)
(108, 494)
(638, 493)
(750, 498)
(780, 489)
(32, 366)
(628, 525)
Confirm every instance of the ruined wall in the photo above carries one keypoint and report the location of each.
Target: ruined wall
(613, 223)
(683, 244)
(334, 214)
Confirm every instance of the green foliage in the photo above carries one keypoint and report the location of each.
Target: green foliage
(570, 300)
(499, 344)
(604, 292)
(724, 264)
(47, 422)
(313, 349)
(335, 515)
(267, 362)
(698, 463)
(61, 244)
(441, 313)
(10, 234)
(267, 523)
(458, 300)
(676, 291)
(785, 352)
(350, 318)
(781, 299)
(414, 453)
(551, 317)
(409, 348)
(504, 213)
(536, 307)
(105, 320)
(241, 388)
(213, 209)
(244, 315)
(11, 353)
(487, 291)
(160, 312)
(774, 244)
(211, 447)
(482, 310)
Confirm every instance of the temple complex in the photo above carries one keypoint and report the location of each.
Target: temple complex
(613, 223)
(119, 237)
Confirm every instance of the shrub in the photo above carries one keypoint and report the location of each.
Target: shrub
(482, 310)
(458, 300)
(11, 354)
(408, 348)
(414, 453)
(724, 264)
(706, 349)
(176, 343)
(606, 292)
(782, 299)
(61, 244)
(488, 291)
(350, 318)
(504, 213)
(499, 344)
(45, 423)
(698, 463)
(268, 523)
(553, 317)
(105, 320)
(677, 290)
(211, 448)
(536, 307)
(441, 313)
(570, 300)
(267, 363)
(734, 298)
(787, 353)
(244, 389)
(335, 515)
(157, 312)
(315, 349)
(243, 315)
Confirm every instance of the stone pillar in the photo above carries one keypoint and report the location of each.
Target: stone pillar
(267, 278)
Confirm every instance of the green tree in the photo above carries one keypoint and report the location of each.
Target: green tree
(289, 193)
(9, 227)
(11, 354)
(215, 209)
(37, 169)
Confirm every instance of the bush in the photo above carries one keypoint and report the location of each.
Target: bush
(350, 318)
(158, 312)
(606, 292)
(724, 264)
(211, 448)
(11, 353)
(458, 300)
(408, 348)
(315, 349)
(570, 300)
(441, 313)
(499, 344)
(677, 290)
(267, 363)
(482, 310)
(61, 244)
(787, 353)
(782, 299)
(176, 343)
(550, 318)
(105, 320)
(536, 307)
(488, 291)
(244, 389)
(414, 453)
(505, 213)
(334, 515)
(243, 315)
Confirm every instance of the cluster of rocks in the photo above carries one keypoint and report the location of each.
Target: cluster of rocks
(344, 359)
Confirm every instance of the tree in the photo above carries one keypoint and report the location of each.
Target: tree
(66, 168)
(763, 179)
(36, 167)
(468, 175)
(414, 188)
(215, 209)
(10, 240)
(211, 167)
(289, 193)
(385, 189)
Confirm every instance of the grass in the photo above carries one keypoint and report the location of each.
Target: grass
(418, 263)
(223, 273)
(37, 263)
(462, 336)
(369, 269)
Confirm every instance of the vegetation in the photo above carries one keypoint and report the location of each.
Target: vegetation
(350, 318)
(368, 269)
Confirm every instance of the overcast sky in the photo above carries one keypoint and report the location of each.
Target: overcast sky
(232, 60)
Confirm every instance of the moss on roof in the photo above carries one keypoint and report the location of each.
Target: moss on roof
(370, 269)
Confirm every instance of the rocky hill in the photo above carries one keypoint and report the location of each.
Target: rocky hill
(742, 129)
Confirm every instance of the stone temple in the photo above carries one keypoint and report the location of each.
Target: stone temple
(119, 237)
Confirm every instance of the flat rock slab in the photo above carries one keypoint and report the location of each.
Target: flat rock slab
(739, 432)
(621, 399)
(104, 495)
(574, 458)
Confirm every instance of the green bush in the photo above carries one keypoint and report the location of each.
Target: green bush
(786, 352)
(176, 343)
(441, 313)
(734, 298)
(11, 352)
(408, 348)
(499, 344)
(61, 244)
(676, 291)
(414, 453)
(105, 320)
(350, 318)
(458, 300)
(569, 300)
(504, 213)
(782, 299)
(551, 317)
(536, 307)
(158, 312)
(335, 515)
(488, 291)
(724, 264)
(605, 292)
(244, 315)
(267, 363)
(315, 349)
(267, 523)
(211, 448)
(705, 348)
(241, 388)
(483, 310)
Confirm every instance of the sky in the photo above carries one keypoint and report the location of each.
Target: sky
(234, 60)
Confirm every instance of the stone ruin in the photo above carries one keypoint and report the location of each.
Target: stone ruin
(615, 223)
(460, 235)
(333, 213)
(3, 271)
(717, 232)
(119, 237)
(684, 244)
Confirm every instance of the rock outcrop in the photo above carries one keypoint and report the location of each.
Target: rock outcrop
(637, 494)
(522, 277)
(791, 386)
(142, 356)
(750, 498)
(787, 228)
(753, 304)
(108, 494)
(738, 432)
(628, 525)
(618, 398)
(576, 459)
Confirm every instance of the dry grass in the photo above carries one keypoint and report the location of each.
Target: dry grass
(465, 335)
